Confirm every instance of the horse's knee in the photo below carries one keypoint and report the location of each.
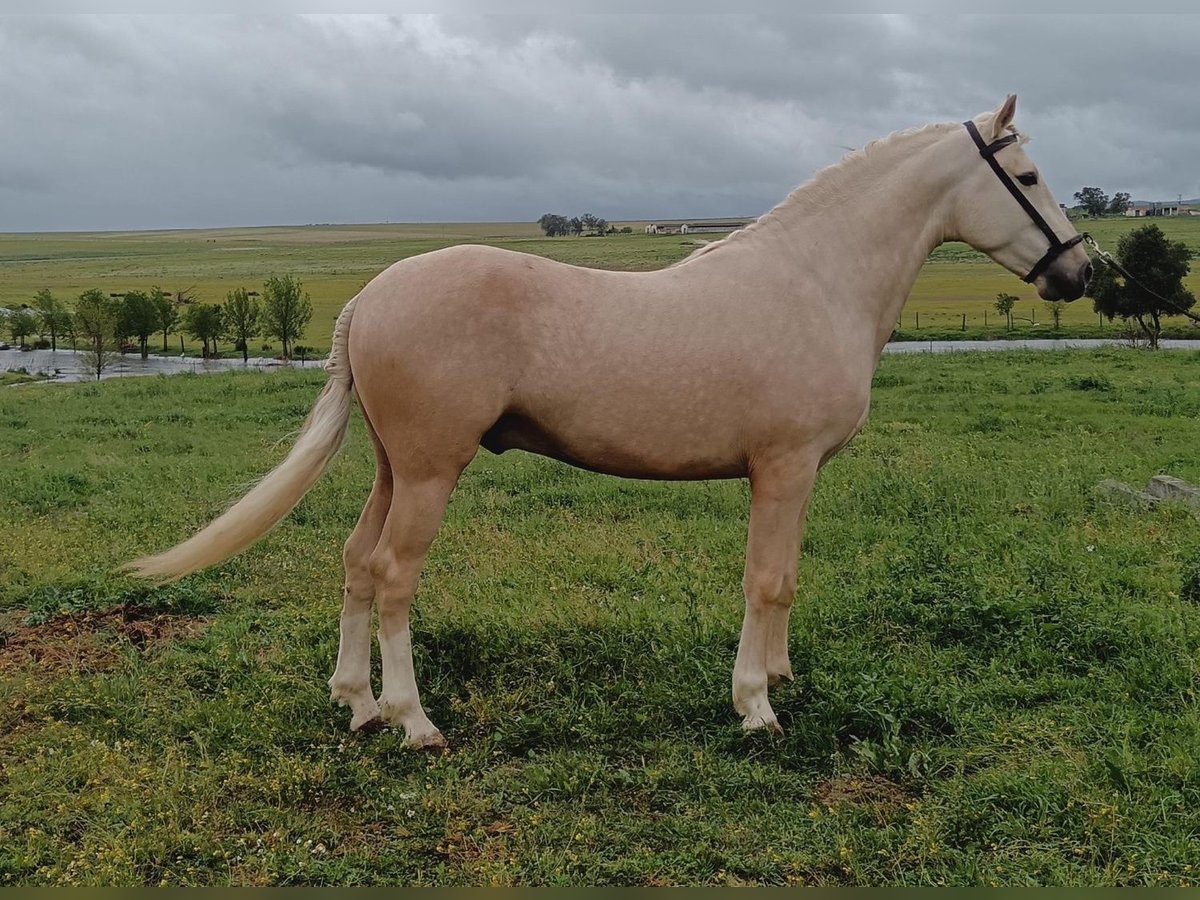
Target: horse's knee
(769, 587)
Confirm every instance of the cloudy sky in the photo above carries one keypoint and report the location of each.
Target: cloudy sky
(119, 122)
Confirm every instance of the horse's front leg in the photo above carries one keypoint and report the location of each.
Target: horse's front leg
(779, 500)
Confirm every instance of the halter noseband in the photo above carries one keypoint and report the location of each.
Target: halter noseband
(988, 152)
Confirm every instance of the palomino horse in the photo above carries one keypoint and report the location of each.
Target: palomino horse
(751, 358)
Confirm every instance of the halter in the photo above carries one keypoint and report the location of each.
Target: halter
(988, 152)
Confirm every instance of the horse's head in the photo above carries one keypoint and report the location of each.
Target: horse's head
(1004, 209)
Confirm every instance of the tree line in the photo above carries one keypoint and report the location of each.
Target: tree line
(1095, 203)
(104, 324)
(554, 225)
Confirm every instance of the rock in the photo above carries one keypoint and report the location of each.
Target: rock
(1168, 487)
(1120, 494)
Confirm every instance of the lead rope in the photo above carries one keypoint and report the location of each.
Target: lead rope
(1108, 259)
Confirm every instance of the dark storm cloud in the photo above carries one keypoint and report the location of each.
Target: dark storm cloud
(119, 122)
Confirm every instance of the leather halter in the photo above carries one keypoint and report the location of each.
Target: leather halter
(988, 152)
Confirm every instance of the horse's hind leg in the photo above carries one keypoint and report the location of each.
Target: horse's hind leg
(351, 681)
(418, 504)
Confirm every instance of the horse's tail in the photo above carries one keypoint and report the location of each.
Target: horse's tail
(265, 505)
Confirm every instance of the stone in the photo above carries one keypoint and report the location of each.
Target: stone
(1168, 487)
(1121, 494)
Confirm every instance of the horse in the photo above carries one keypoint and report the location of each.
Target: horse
(752, 358)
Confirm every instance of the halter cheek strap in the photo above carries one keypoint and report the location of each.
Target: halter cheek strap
(988, 152)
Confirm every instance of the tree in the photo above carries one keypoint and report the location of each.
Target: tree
(1093, 200)
(138, 318)
(576, 224)
(1055, 308)
(95, 321)
(21, 323)
(242, 314)
(54, 315)
(554, 225)
(167, 312)
(1159, 266)
(1004, 305)
(286, 310)
(1118, 204)
(205, 322)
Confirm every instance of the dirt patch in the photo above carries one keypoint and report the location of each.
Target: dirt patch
(875, 792)
(88, 641)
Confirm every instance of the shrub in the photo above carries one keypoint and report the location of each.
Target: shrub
(1089, 383)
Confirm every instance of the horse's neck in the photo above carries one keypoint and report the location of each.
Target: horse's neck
(859, 232)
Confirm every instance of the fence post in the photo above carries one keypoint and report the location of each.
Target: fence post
(985, 318)
(918, 321)
(964, 328)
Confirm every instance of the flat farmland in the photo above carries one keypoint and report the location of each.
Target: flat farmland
(335, 261)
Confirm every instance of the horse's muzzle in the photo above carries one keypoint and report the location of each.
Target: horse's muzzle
(1060, 282)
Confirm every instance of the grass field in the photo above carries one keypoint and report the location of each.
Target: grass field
(996, 675)
(334, 262)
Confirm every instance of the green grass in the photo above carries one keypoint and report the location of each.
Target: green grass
(334, 262)
(996, 675)
(18, 376)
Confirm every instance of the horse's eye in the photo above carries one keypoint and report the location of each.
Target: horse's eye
(1029, 179)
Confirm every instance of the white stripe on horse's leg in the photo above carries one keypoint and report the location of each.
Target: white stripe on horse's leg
(416, 513)
(778, 497)
(351, 681)
(779, 663)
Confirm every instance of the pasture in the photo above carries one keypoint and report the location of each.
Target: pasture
(335, 261)
(996, 674)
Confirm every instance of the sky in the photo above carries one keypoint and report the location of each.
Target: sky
(128, 122)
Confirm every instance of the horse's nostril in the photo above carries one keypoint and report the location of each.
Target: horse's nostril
(1087, 273)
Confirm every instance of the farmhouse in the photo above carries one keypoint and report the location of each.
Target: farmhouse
(698, 227)
(1141, 208)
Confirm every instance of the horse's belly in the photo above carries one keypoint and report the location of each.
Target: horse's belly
(630, 452)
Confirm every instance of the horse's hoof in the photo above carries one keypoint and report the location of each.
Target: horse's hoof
(367, 724)
(766, 723)
(431, 741)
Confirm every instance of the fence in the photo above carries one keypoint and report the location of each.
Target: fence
(1033, 315)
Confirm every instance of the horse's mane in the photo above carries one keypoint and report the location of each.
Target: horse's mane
(832, 183)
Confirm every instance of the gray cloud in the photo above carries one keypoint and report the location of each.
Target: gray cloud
(167, 121)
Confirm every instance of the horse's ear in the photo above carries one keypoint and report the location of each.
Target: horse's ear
(1003, 116)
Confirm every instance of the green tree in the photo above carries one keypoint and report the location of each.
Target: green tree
(1004, 305)
(1159, 266)
(286, 310)
(138, 318)
(242, 315)
(1118, 204)
(54, 315)
(205, 322)
(21, 323)
(1093, 200)
(167, 312)
(554, 225)
(1055, 308)
(95, 321)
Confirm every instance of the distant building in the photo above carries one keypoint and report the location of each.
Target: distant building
(1141, 208)
(700, 227)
